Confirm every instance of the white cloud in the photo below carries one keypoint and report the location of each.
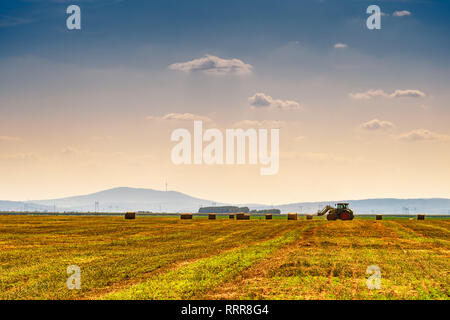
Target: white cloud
(10, 139)
(260, 100)
(368, 94)
(180, 117)
(268, 124)
(376, 124)
(424, 134)
(408, 93)
(401, 13)
(340, 45)
(213, 65)
(372, 93)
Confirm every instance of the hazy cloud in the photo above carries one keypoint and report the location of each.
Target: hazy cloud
(22, 157)
(376, 124)
(268, 124)
(325, 157)
(340, 45)
(424, 134)
(372, 93)
(180, 117)
(71, 151)
(260, 100)
(100, 138)
(368, 94)
(401, 13)
(213, 65)
(6, 21)
(10, 139)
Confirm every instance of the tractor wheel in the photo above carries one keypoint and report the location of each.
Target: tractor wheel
(331, 216)
(346, 216)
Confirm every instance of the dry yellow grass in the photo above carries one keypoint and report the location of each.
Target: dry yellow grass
(169, 258)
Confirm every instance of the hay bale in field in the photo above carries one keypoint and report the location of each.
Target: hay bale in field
(420, 217)
(379, 217)
(212, 216)
(130, 215)
(240, 216)
(292, 216)
(185, 216)
(309, 217)
(231, 216)
(268, 216)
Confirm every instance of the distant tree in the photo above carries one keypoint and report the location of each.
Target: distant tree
(264, 211)
(224, 209)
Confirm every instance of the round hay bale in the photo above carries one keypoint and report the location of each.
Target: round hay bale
(379, 217)
(240, 216)
(420, 217)
(292, 216)
(268, 216)
(130, 215)
(212, 216)
(185, 216)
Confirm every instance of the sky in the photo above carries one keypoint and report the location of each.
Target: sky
(362, 113)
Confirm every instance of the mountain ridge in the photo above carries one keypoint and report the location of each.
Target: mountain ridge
(123, 199)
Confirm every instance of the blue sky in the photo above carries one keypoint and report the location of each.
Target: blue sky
(91, 109)
(114, 30)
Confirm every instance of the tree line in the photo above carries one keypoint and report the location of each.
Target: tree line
(235, 209)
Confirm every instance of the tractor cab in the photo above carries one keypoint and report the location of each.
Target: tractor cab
(342, 205)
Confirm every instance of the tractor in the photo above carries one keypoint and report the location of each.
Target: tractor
(341, 211)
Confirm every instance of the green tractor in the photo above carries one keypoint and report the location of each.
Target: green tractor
(341, 211)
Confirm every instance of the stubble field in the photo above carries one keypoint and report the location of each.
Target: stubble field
(169, 258)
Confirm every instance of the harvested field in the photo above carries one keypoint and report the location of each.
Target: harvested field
(170, 258)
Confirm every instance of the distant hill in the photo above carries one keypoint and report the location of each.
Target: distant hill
(22, 206)
(129, 199)
(372, 206)
(138, 199)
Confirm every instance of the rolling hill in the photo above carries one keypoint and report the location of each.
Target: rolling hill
(138, 199)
